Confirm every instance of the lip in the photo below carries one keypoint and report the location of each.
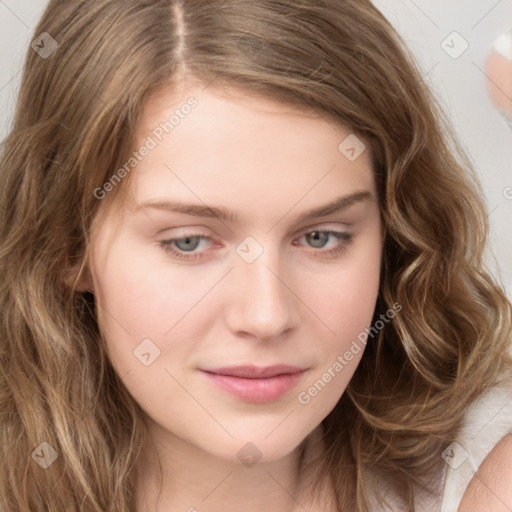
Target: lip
(255, 372)
(256, 384)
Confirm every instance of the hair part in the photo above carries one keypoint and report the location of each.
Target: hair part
(75, 125)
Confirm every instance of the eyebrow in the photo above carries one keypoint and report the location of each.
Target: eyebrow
(203, 210)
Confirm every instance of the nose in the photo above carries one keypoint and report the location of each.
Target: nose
(262, 304)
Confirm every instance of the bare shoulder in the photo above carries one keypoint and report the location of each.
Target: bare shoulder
(490, 489)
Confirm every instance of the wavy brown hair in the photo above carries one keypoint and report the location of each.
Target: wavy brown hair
(74, 125)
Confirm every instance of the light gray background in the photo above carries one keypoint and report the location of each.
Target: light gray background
(424, 24)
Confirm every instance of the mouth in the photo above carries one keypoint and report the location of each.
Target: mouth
(256, 384)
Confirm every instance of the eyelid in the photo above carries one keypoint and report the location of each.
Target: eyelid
(199, 231)
(325, 226)
(185, 231)
(344, 238)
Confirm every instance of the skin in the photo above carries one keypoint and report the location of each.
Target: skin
(295, 304)
(490, 488)
(499, 85)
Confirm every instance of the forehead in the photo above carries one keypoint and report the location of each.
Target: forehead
(242, 130)
(229, 146)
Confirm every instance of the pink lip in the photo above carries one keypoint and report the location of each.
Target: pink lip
(256, 384)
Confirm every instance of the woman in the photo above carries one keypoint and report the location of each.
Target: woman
(243, 269)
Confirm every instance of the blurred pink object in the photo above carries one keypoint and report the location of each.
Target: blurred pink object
(498, 69)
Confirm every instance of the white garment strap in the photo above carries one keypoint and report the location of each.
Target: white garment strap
(486, 422)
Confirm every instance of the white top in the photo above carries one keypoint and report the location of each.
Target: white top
(486, 422)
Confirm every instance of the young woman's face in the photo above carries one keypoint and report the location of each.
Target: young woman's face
(257, 280)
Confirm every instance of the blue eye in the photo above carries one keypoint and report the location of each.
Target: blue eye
(318, 240)
(185, 247)
(189, 243)
(321, 237)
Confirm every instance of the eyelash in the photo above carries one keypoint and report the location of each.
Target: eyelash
(345, 239)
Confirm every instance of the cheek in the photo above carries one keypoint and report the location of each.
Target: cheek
(143, 292)
(346, 305)
(345, 298)
(347, 311)
(141, 297)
